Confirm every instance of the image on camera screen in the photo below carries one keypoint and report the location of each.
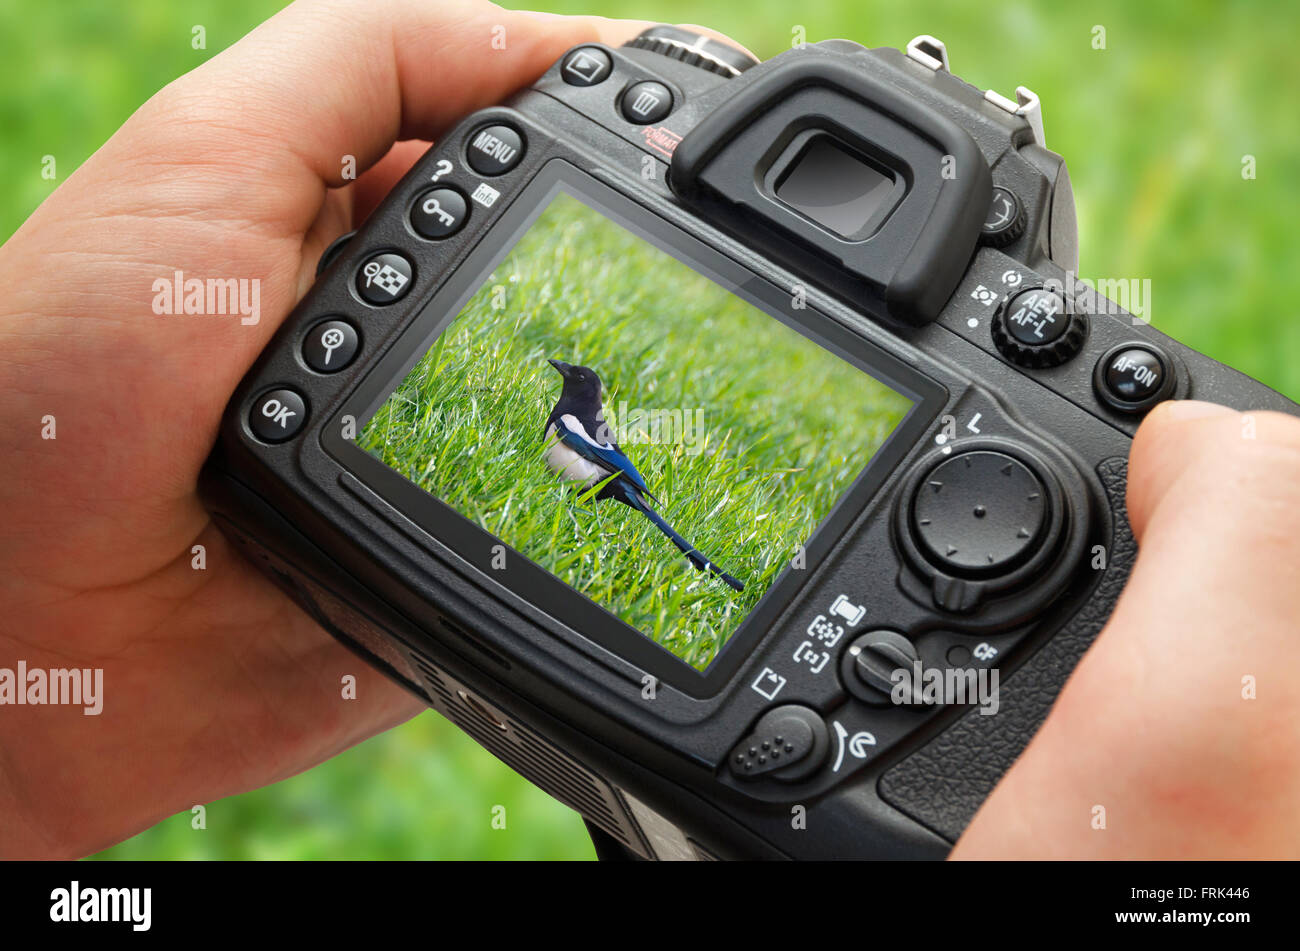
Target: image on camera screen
(657, 443)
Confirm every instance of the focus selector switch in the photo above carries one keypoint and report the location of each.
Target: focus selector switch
(868, 665)
(979, 513)
(788, 743)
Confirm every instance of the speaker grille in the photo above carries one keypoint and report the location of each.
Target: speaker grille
(533, 756)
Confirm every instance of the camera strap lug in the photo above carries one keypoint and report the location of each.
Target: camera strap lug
(929, 52)
(1026, 105)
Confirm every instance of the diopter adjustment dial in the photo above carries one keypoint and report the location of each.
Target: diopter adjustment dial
(1036, 328)
(1005, 221)
(694, 49)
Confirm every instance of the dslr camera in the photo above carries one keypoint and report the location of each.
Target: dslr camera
(728, 447)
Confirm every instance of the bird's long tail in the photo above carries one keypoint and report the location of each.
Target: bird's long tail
(696, 558)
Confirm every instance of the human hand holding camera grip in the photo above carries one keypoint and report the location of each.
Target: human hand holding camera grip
(595, 202)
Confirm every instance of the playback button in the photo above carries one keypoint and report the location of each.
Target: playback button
(277, 415)
(586, 66)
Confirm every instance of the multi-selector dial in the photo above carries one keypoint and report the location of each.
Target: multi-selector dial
(989, 520)
(980, 513)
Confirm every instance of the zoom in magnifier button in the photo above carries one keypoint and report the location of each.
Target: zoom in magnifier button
(330, 346)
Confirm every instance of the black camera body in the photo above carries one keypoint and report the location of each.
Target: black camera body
(881, 207)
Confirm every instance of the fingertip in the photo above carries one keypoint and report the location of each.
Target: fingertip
(715, 35)
(1167, 443)
(1190, 409)
(1191, 438)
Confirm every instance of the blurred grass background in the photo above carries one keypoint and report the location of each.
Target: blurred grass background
(1154, 128)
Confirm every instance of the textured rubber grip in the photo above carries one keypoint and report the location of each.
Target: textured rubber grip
(942, 784)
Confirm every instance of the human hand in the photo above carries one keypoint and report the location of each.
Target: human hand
(1157, 724)
(214, 681)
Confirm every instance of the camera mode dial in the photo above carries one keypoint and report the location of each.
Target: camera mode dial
(694, 49)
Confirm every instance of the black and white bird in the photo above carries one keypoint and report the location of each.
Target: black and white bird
(580, 449)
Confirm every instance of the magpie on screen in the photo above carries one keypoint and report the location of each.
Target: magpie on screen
(581, 450)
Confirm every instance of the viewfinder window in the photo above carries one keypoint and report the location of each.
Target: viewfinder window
(836, 188)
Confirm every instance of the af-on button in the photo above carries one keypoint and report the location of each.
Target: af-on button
(1133, 377)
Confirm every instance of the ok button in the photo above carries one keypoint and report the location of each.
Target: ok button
(277, 415)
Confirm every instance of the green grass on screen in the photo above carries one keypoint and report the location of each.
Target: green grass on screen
(702, 383)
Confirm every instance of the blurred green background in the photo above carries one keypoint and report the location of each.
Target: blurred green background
(1154, 127)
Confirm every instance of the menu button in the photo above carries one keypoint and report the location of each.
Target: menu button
(495, 150)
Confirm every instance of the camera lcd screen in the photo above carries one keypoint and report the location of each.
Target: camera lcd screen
(835, 188)
(656, 442)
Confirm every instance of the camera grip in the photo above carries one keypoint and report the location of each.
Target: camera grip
(943, 784)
